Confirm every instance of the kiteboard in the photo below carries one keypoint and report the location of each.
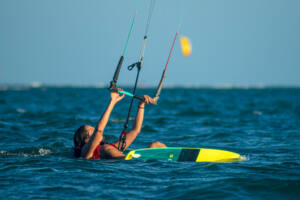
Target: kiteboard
(184, 154)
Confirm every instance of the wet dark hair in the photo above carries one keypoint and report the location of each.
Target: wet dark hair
(79, 140)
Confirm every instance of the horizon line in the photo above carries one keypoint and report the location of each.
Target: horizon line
(170, 86)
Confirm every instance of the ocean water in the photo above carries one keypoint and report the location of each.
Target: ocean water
(37, 126)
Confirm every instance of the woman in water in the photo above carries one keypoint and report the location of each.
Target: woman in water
(89, 141)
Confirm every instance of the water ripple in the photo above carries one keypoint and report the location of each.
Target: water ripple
(37, 126)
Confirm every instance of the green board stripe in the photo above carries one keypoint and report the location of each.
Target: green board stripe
(188, 154)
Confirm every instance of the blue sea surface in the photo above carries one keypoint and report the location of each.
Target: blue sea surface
(37, 127)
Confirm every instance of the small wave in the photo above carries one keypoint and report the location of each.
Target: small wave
(89, 118)
(6, 123)
(117, 120)
(193, 112)
(148, 128)
(121, 120)
(211, 122)
(175, 102)
(257, 112)
(20, 110)
(219, 135)
(28, 152)
(160, 120)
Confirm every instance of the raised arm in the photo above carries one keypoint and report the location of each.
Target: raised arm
(137, 125)
(97, 136)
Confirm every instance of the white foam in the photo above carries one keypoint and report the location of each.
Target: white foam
(136, 155)
(44, 152)
(245, 158)
(41, 152)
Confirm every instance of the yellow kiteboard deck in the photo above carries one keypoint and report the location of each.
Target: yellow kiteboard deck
(184, 154)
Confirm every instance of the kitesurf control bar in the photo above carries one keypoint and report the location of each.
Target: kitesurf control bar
(131, 95)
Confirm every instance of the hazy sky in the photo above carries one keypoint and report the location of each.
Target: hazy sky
(235, 42)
